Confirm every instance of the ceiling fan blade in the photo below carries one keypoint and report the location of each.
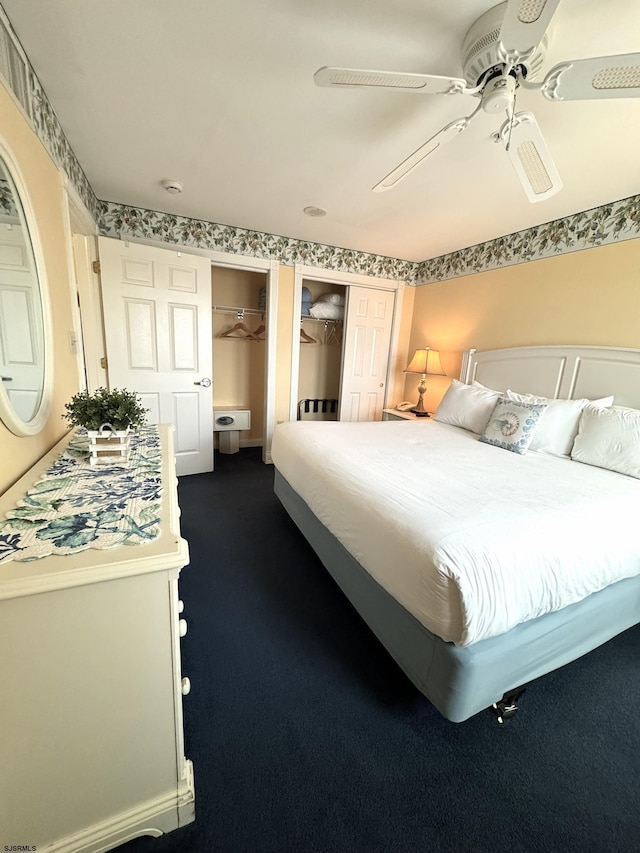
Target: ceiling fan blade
(599, 77)
(355, 78)
(530, 157)
(525, 23)
(420, 155)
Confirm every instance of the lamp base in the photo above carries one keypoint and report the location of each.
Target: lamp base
(419, 409)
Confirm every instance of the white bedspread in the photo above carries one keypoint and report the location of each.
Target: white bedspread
(471, 539)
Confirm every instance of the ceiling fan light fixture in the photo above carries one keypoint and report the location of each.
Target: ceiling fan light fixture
(503, 50)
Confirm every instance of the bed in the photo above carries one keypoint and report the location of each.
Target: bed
(481, 570)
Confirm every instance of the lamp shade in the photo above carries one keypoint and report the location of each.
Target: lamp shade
(425, 361)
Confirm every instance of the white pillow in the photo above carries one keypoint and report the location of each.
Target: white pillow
(513, 424)
(334, 298)
(609, 438)
(467, 406)
(326, 311)
(559, 426)
(477, 384)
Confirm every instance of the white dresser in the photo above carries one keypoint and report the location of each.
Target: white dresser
(91, 743)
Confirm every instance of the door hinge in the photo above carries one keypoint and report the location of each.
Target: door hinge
(95, 266)
(103, 363)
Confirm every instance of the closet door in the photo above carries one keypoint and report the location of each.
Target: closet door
(367, 337)
(157, 316)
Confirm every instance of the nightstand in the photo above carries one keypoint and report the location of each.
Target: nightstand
(397, 415)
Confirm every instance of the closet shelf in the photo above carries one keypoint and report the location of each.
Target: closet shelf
(230, 309)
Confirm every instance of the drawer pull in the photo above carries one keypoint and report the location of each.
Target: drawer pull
(180, 605)
(182, 627)
(185, 686)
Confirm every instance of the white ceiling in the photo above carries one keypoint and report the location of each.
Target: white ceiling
(219, 94)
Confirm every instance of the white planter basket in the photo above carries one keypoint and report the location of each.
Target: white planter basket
(109, 445)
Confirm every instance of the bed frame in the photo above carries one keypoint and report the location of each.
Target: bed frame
(461, 681)
(563, 372)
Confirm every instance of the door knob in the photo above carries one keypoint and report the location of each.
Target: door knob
(206, 382)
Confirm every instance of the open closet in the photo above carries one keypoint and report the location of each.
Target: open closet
(322, 308)
(238, 299)
(340, 366)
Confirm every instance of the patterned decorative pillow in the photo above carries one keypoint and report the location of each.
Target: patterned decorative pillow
(559, 426)
(512, 424)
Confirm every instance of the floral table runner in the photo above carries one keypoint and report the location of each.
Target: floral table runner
(76, 506)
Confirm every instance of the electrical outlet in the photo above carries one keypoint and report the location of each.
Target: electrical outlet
(73, 343)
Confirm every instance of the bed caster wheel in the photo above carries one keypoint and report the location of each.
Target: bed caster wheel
(503, 710)
(508, 706)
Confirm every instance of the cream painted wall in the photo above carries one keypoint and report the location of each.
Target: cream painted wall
(588, 297)
(404, 351)
(48, 200)
(286, 321)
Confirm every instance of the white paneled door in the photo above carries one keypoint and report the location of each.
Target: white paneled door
(157, 315)
(367, 337)
(21, 333)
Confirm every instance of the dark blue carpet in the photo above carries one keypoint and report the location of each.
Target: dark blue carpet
(306, 737)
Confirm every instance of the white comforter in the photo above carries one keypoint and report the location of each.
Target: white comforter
(471, 539)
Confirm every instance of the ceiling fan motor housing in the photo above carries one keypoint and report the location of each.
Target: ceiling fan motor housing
(481, 59)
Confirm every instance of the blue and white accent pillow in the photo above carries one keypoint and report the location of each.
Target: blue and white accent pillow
(512, 424)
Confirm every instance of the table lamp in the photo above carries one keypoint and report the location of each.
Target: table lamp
(425, 361)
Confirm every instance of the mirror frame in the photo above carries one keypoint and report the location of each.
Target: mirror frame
(8, 415)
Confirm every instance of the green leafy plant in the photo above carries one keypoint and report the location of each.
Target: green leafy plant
(118, 407)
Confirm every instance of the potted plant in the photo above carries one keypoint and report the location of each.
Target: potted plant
(108, 416)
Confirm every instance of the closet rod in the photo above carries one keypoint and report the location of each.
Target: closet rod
(229, 309)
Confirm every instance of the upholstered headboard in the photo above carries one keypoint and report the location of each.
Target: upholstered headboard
(565, 372)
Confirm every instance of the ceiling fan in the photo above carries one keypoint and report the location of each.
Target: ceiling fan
(503, 52)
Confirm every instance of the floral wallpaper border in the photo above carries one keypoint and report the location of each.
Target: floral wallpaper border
(619, 220)
(599, 226)
(125, 221)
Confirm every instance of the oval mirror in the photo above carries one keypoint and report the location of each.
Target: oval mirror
(24, 309)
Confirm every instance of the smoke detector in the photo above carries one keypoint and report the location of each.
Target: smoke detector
(173, 187)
